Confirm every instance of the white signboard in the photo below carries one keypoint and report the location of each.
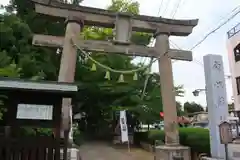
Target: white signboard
(34, 111)
(216, 101)
(123, 125)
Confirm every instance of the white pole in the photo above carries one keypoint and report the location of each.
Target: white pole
(124, 128)
(129, 147)
(216, 101)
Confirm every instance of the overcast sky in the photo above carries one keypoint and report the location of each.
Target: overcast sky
(210, 13)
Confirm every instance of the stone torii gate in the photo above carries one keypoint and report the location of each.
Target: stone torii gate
(124, 24)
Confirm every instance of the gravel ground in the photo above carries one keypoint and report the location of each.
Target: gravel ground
(101, 151)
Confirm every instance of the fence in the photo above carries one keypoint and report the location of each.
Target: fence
(29, 148)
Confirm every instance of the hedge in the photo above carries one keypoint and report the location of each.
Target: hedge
(196, 138)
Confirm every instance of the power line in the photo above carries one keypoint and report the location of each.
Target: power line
(182, 4)
(224, 17)
(214, 30)
(176, 8)
(195, 60)
(151, 60)
(174, 44)
(218, 27)
(166, 7)
(177, 46)
(159, 9)
(232, 11)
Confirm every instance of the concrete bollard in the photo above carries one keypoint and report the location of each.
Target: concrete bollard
(72, 154)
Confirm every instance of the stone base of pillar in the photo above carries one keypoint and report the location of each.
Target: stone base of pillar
(167, 152)
(237, 141)
(70, 142)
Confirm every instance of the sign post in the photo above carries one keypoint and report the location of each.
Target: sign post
(124, 128)
(225, 136)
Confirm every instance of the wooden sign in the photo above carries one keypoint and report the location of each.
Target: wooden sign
(225, 133)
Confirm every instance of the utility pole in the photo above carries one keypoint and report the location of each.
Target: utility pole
(124, 24)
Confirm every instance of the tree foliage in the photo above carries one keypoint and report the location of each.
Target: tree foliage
(231, 107)
(192, 107)
(98, 97)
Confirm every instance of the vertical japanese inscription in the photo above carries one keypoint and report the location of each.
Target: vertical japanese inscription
(219, 84)
(124, 128)
(217, 65)
(221, 100)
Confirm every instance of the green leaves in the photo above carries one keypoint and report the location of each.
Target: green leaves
(100, 90)
(124, 6)
(10, 71)
(179, 91)
(4, 59)
(192, 107)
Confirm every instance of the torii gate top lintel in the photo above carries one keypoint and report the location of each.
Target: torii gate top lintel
(105, 18)
(75, 19)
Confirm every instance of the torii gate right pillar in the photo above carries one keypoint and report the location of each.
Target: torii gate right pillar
(171, 150)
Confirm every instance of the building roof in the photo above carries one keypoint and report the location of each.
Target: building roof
(6, 83)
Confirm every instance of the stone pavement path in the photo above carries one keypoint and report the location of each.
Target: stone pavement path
(101, 151)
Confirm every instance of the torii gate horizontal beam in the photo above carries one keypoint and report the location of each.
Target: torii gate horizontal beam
(106, 18)
(108, 47)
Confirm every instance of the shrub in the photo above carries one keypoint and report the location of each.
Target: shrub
(77, 137)
(195, 138)
(198, 139)
(140, 137)
(154, 135)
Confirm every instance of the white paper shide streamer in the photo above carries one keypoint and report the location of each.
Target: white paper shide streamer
(123, 125)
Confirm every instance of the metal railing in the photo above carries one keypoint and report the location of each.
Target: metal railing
(233, 31)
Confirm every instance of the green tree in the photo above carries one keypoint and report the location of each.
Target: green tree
(150, 106)
(231, 107)
(192, 107)
(124, 6)
(97, 97)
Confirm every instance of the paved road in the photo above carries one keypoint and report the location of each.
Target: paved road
(101, 151)
(234, 151)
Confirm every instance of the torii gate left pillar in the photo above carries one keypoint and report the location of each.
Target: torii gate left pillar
(67, 70)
